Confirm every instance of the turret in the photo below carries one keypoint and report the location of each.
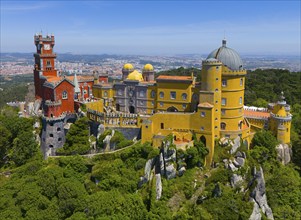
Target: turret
(280, 123)
(126, 70)
(148, 73)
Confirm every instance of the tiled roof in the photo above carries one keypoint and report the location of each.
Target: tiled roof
(81, 78)
(257, 114)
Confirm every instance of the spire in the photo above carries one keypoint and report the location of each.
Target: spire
(76, 86)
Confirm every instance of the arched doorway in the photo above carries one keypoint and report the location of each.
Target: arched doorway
(172, 109)
(203, 139)
(132, 109)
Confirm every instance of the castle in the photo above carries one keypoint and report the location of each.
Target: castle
(212, 109)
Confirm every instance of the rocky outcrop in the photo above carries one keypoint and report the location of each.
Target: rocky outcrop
(235, 145)
(158, 186)
(284, 153)
(258, 196)
(147, 172)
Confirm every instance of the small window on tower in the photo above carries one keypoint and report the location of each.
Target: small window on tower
(241, 81)
(224, 101)
(65, 95)
(224, 82)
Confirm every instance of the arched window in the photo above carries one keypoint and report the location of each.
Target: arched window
(223, 126)
(153, 93)
(142, 93)
(240, 125)
(184, 96)
(161, 94)
(241, 81)
(65, 95)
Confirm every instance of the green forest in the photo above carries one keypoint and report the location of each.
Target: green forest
(107, 186)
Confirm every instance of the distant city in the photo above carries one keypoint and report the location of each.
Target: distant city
(22, 63)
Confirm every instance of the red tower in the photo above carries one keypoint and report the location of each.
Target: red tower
(44, 62)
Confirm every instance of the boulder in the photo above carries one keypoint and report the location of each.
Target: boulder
(240, 161)
(161, 164)
(259, 194)
(236, 180)
(284, 153)
(232, 167)
(158, 186)
(235, 145)
(256, 214)
(170, 171)
(238, 154)
(181, 171)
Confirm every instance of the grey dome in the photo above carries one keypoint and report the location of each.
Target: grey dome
(227, 56)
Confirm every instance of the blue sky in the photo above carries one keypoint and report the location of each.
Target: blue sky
(153, 27)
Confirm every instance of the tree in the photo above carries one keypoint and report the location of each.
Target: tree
(77, 138)
(24, 148)
(266, 140)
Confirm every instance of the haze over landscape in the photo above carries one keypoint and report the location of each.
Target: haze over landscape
(153, 28)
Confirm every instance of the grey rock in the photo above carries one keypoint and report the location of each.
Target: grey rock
(161, 164)
(240, 161)
(259, 194)
(158, 186)
(256, 214)
(235, 145)
(236, 163)
(170, 171)
(232, 167)
(181, 171)
(284, 153)
(244, 155)
(236, 180)
(238, 154)
(148, 167)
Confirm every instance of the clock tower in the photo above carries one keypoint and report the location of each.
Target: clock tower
(44, 61)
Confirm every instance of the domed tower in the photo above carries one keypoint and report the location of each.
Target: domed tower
(229, 81)
(126, 70)
(148, 73)
(280, 122)
(135, 75)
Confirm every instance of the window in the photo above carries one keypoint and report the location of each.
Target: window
(50, 135)
(240, 100)
(161, 94)
(223, 111)
(153, 102)
(216, 110)
(223, 126)
(153, 93)
(173, 95)
(65, 95)
(184, 96)
(216, 102)
(105, 94)
(241, 82)
(224, 82)
(141, 102)
(183, 106)
(119, 92)
(227, 135)
(142, 93)
(59, 139)
(48, 63)
(85, 91)
(215, 119)
(203, 114)
(224, 101)
(162, 125)
(161, 104)
(50, 146)
(58, 129)
(240, 125)
(216, 90)
(202, 128)
(216, 79)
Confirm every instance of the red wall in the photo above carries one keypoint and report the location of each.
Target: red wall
(67, 104)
